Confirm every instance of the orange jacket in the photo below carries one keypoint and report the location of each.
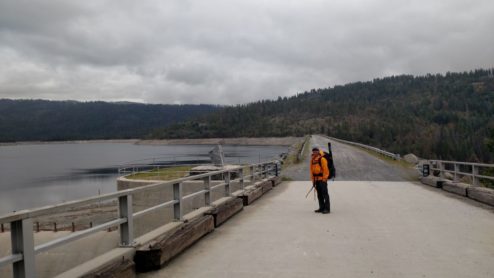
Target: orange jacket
(319, 171)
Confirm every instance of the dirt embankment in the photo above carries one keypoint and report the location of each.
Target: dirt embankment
(267, 141)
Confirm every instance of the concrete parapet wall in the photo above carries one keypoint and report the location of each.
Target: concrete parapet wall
(456, 187)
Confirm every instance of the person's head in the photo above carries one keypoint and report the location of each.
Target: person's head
(315, 151)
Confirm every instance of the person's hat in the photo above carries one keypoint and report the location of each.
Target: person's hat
(315, 149)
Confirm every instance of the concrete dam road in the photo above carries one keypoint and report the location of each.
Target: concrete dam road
(352, 164)
(375, 229)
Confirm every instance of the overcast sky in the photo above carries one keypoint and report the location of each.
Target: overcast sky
(228, 51)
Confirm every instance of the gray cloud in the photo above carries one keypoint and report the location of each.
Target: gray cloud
(230, 52)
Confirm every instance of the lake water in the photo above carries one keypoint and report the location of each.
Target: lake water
(43, 174)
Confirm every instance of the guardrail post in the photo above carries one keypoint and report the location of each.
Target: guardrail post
(227, 184)
(207, 187)
(253, 174)
(241, 172)
(457, 169)
(441, 169)
(22, 241)
(475, 173)
(177, 196)
(127, 228)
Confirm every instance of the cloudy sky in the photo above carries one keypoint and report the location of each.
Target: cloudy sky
(230, 51)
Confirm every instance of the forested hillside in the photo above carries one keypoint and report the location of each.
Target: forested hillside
(436, 116)
(30, 120)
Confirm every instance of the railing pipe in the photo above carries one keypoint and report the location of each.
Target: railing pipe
(151, 209)
(77, 235)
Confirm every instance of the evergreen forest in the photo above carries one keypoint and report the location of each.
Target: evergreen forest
(445, 116)
(41, 120)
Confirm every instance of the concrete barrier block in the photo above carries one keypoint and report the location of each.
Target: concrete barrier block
(251, 195)
(456, 187)
(482, 194)
(226, 209)
(266, 186)
(159, 253)
(275, 181)
(432, 181)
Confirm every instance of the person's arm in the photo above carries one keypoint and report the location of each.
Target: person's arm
(311, 174)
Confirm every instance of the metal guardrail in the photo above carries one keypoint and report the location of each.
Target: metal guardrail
(458, 169)
(374, 149)
(21, 223)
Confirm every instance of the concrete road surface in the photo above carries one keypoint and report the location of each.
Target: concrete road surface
(375, 229)
(352, 164)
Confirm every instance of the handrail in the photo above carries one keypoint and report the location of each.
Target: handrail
(440, 165)
(62, 207)
(21, 222)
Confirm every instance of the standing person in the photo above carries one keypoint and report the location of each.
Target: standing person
(319, 173)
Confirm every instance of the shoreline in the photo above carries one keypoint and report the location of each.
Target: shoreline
(240, 141)
(23, 143)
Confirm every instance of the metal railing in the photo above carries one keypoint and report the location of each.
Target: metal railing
(458, 169)
(394, 156)
(24, 251)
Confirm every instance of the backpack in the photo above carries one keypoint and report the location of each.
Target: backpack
(329, 159)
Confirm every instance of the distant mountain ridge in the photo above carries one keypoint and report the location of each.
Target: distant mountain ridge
(43, 120)
(447, 116)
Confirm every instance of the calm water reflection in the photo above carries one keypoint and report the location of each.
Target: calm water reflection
(42, 174)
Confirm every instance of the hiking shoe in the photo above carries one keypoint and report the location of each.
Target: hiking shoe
(325, 211)
(318, 210)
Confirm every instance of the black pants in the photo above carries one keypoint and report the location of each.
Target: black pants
(323, 195)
